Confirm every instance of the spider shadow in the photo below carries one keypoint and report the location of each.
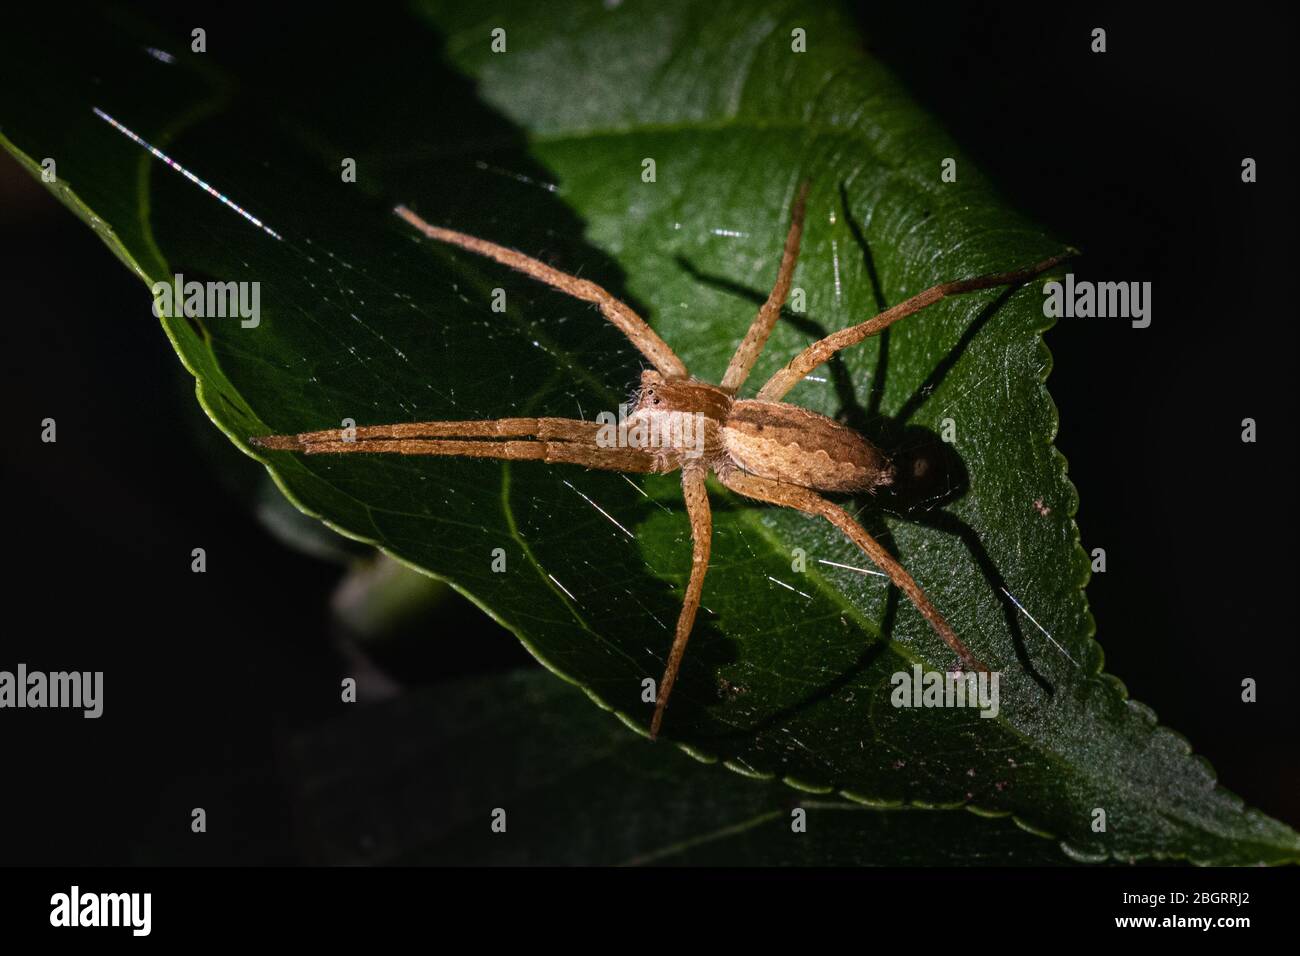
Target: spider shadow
(930, 474)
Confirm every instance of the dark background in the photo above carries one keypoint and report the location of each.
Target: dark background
(1134, 156)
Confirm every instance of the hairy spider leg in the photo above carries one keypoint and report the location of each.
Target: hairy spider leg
(809, 502)
(751, 346)
(551, 440)
(566, 429)
(621, 316)
(694, 472)
(820, 351)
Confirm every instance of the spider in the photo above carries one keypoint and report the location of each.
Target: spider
(761, 448)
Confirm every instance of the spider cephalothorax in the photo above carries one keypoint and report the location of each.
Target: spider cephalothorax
(762, 448)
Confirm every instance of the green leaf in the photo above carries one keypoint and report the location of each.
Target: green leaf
(582, 791)
(788, 673)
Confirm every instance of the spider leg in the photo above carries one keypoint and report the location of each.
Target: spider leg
(697, 507)
(751, 346)
(551, 440)
(644, 338)
(805, 500)
(817, 353)
(567, 429)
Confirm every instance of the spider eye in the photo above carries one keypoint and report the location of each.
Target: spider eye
(656, 401)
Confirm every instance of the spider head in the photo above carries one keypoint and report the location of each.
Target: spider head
(647, 394)
(658, 396)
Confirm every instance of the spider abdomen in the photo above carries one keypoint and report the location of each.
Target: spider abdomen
(800, 447)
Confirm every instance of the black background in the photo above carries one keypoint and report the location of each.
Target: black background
(1134, 156)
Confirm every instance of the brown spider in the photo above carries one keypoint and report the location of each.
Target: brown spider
(761, 448)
